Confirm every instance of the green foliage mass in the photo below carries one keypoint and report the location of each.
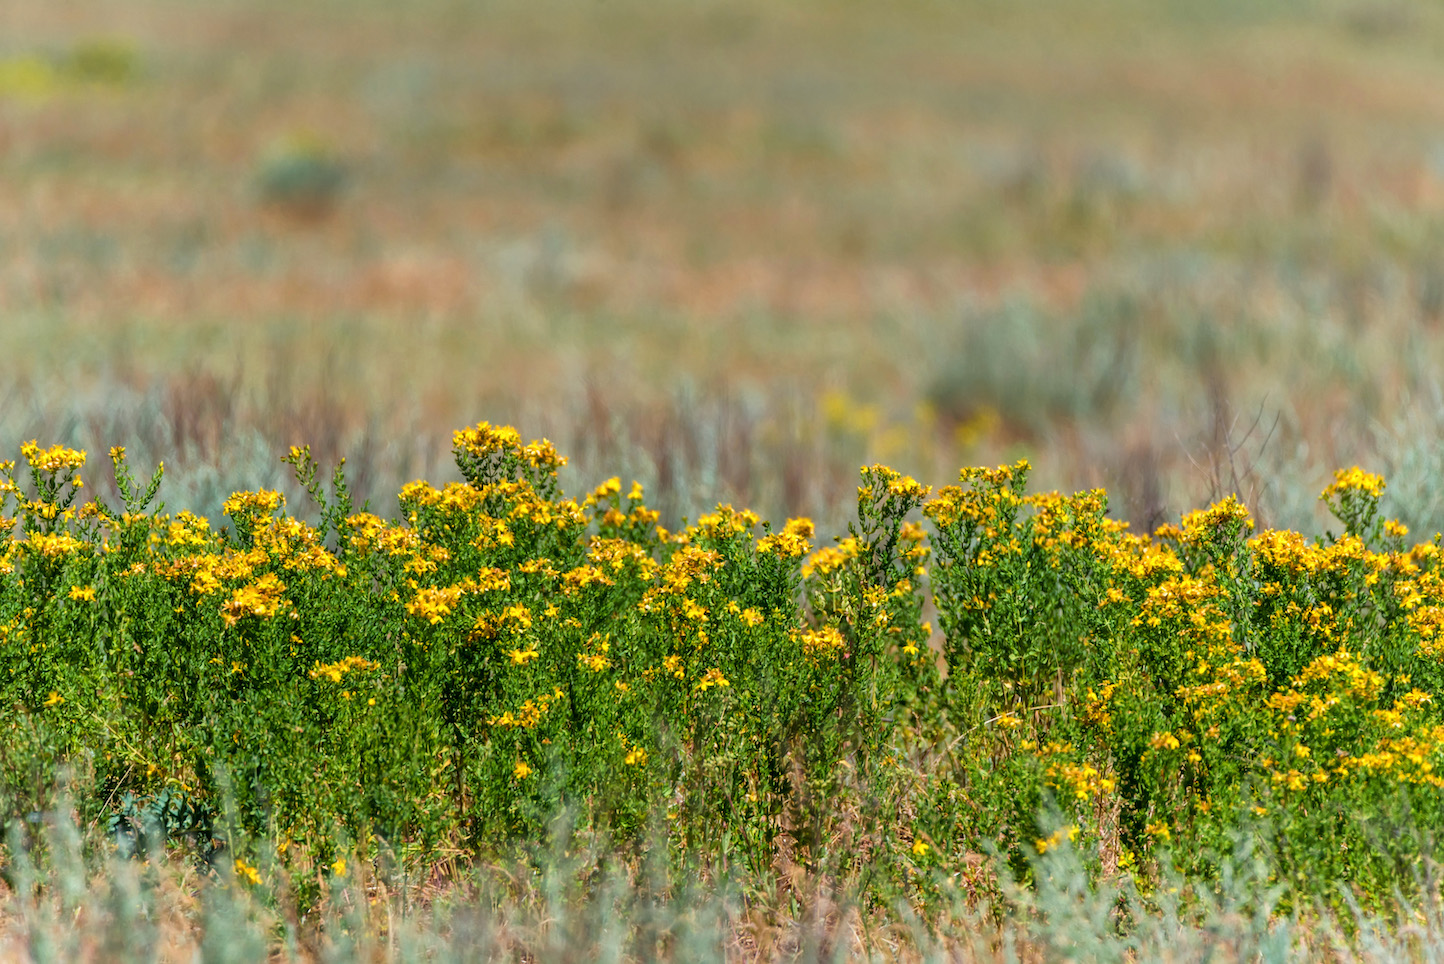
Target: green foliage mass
(445, 683)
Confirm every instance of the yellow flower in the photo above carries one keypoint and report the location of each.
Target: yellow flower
(791, 542)
(82, 593)
(339, 867)
(53, 459)
(1354, 480)
(596, 662)
(261, 502)
(636, 757)
(713, 677)
(262, 598)
(521, 771)
(920, 848)
(334, 671)
(830, 559)
(250, 875)
(1045, 844)
(826, 641)
(54, 699)
(1163, 741)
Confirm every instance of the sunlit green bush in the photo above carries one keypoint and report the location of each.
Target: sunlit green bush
(445, 682)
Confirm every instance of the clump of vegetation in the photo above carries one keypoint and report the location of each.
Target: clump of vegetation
(302, 175)
(440, 685)
(91, 63)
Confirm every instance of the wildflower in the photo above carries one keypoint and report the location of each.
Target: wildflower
(726, 521)
(55, 546)
(713, 677)
(82, 593)
(596, 662)
(521, 771)
(830, 559)
(54, 699)
(339, 867)
(1351, 480)
(1163, 741)
(520, 657)
(53, 459)
(528, 715)
(1114, 595)
(261, 598)
(1008, 721)
(250, 875)
(791, 542)
(1045, 844)
(582, 577)
(1219, 517)
(260, 503)
(611, 487)
(636, 757)
(334, 671)
(920, 848)
(435, 604)
(826, 641)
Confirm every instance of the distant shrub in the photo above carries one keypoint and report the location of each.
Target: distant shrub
(97, 62)
(302, 175)
(1032, 369)
(103, 61)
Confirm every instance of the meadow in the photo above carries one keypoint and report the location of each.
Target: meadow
(732, 250)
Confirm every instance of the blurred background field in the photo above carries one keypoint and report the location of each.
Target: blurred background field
(734, 248)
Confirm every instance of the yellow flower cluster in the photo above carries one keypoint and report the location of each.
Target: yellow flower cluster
(57, 458)
(713, 677)
(247, 504)
(791, 542)
(335, 671)
(529, 714)
(262, 598)
(1353, 480)
(830, 558)
(824, 643)
(486, 439)
(1082, 780)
